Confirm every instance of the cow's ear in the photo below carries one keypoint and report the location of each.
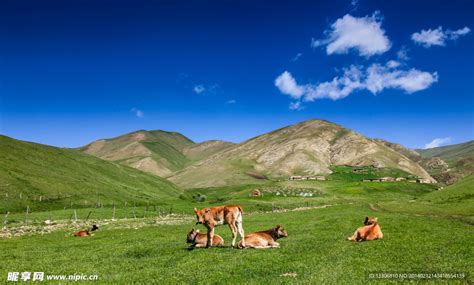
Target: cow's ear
(195, 210)
(278, 227)
(376, 219)
(207, 210)
(366, 220)
(197, 231)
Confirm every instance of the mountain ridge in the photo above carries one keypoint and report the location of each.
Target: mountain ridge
(157, 152)
(309, 147)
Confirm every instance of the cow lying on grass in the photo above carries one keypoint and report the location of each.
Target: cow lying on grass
(264, 239)
(196, 239)
(221, 215)
(86, 233)
(371, 231)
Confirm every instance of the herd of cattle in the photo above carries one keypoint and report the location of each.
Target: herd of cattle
(232, 215)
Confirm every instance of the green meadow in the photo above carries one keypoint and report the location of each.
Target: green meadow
(425, 231)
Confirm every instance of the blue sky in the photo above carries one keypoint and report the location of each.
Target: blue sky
(75, 71)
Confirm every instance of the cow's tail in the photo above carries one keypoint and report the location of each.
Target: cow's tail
(240, 209)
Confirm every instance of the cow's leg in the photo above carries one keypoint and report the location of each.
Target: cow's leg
(210, 235)
(354, 237)
(240, 228)
(233, 229)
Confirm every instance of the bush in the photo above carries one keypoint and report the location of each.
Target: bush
(199, 197)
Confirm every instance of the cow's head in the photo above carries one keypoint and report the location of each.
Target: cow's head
(279, 232)
(370, 221)
(203, 216)
(191, 235)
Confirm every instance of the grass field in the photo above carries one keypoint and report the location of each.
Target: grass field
(314, 252)
(423, 232)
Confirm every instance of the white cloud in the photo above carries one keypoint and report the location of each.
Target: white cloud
(198, 89)
(437, 37)
(382, 77)
(392, 64)
(297, 57)
(296, 106)
(402, 54)
(438, 142)
(338, 88)
(287, 85)
(363, 34)
(137, 112)
(374, 78)
(231, 102)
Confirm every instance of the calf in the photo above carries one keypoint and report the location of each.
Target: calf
(371, 231)
(196, 239)
(221, 215)
(264, 239)
(86, 233)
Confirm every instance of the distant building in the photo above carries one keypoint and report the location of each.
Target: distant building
(423, 180)
(400, 179)
(298, 177)
(387, 179)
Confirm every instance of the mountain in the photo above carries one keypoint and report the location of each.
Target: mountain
(157, 152)
(47, 177)
(450, 153)
(433, 165)
(310, 147)
(459, 159)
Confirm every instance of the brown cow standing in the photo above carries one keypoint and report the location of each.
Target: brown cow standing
(221, 215)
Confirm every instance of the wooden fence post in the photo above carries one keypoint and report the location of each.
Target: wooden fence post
(5, 221)
(26, 216)
(75, 215)
(90, 212)
(113, 214)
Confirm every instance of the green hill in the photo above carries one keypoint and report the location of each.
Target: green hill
(460, 192)
(450, 153)
(157, 152)
(45, 177)
(459, 157)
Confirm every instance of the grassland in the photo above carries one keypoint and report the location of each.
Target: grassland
(315, 251)
(425, 231)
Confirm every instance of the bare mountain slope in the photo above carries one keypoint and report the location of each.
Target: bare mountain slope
(157, 152)
(309, 147)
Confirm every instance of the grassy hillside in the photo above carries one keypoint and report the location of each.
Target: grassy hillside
(450, 153)
(460, 192)
(459, 157)
(308, 148)
(45, 177)
(157, 152)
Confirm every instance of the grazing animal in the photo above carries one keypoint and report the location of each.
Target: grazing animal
(197, 239)
(264, 239)
(86, 233)
(370, 231)
(221, 215)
